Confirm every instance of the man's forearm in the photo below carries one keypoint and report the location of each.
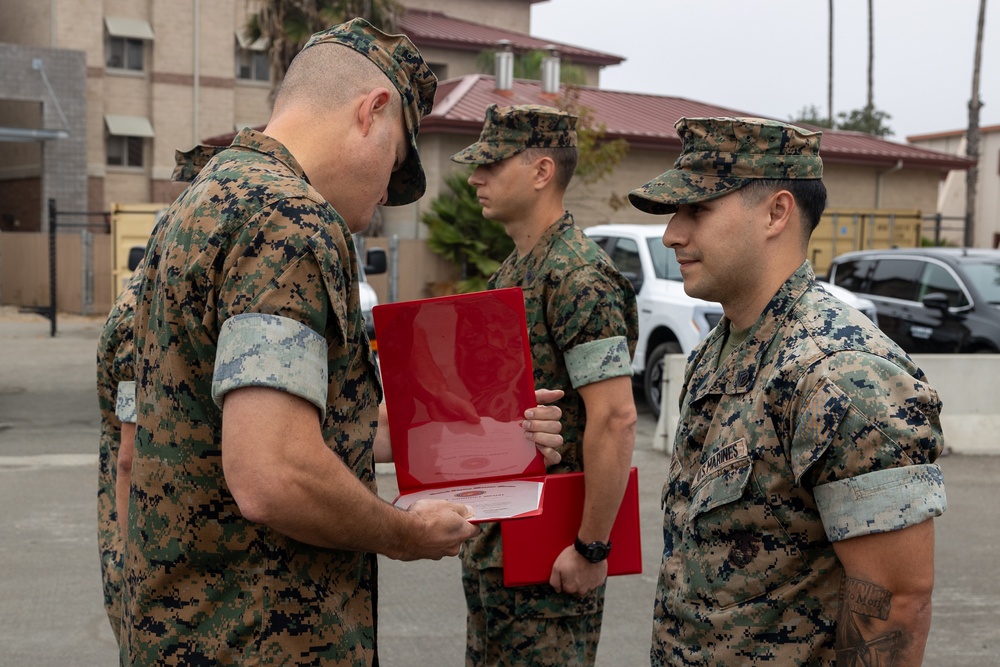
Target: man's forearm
(608, 441)
(876, 627)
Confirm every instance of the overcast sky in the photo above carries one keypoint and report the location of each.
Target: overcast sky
(769, 57)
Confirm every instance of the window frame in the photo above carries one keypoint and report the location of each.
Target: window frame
(128, 143)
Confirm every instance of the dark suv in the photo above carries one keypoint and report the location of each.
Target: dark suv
(929, 299)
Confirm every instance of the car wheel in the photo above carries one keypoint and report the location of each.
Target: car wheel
(652, 379)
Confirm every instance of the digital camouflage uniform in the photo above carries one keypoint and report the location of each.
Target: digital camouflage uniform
(251, 281)
(116, 401)
(817, 428)
(582, 326)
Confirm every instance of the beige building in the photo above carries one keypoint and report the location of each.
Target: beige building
(162, 75)
(952, 191)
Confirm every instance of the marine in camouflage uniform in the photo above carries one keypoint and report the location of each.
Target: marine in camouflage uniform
(116, 402)
(800, 437)
(250, 282)
(582, 326)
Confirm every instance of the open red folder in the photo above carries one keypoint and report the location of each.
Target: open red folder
(458, 378)
(530, 547)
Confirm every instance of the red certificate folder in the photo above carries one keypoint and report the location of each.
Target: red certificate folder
(530, 547)
(457, 376)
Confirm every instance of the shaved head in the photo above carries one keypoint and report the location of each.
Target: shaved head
(328, 76)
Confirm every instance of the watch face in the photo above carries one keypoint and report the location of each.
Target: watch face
(595, 552)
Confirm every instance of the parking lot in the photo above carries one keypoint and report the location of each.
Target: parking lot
(50, 599)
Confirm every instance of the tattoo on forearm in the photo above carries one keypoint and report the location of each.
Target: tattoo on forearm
(860, 603)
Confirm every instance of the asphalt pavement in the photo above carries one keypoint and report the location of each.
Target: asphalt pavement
(51, 611)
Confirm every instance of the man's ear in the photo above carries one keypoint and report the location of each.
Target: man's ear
(545, 170)
(781, 211)
(374, 103)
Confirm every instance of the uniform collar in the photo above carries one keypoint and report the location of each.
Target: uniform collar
(257, 141)
(738, 373)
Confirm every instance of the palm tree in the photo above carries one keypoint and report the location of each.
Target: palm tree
(286, 25)
(972, 135)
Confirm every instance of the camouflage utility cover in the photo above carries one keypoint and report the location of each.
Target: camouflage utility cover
(401, 62)
(771, 449)
(509, 130)
(115, 364)
(248, 237)
(719, 155)
(576, 300)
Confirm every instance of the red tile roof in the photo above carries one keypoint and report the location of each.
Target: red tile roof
(645, 121)
(648, 120)
(435, 29)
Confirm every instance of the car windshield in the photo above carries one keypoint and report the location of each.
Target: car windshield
(986, 277)
(664, 263)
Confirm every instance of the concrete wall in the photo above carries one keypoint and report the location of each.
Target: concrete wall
(968, 385)
(62, 160)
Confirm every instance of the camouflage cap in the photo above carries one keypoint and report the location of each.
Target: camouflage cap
(719, 155)
(187, 164)
(510, 130)
(399, 59)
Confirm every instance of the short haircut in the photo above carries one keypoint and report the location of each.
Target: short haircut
(809, 194)
(326, 76)
(564, 158)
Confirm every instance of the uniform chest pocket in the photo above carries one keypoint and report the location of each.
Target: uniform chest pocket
(738, 550)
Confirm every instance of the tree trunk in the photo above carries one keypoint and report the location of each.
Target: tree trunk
(829, 68)
(972, 136)
(871, 56)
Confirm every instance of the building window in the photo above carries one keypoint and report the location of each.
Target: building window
(125, 145)
(251, 59)
(124, 151)
(124, 53)
(125, 45)
(252, 65)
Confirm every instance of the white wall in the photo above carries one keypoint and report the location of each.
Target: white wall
(967, 383)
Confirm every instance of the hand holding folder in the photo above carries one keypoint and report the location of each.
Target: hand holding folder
(531, 546)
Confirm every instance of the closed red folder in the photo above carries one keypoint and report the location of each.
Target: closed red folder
(531, 545)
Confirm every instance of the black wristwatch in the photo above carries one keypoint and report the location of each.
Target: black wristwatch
(595, 552)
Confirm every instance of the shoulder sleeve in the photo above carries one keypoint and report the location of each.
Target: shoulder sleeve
(283, 301)
(589, 320)
(865, 436)
(261, 350)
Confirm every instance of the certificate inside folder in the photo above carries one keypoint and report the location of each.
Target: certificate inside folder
(457, 376)
(530, 547)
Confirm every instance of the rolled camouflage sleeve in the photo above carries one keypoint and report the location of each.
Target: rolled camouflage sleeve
(598, 360)
(125, 402)
(260, 350)
(873, 429)
(881, 501)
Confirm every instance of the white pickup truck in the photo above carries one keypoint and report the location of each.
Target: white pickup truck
(670, 321)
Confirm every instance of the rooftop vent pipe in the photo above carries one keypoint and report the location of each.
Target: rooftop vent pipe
(504, 61)
(550, 71)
